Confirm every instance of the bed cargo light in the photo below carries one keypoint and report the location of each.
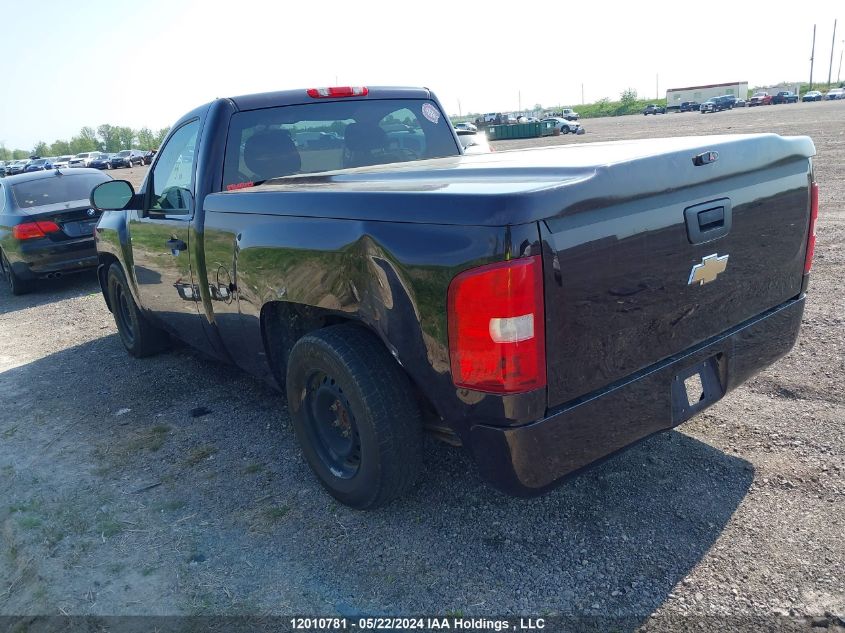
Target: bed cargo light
(811, 239)
(495, 318)
(338, 91)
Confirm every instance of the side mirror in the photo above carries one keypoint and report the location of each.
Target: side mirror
(114, 195)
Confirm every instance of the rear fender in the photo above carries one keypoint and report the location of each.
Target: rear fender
(389, 277)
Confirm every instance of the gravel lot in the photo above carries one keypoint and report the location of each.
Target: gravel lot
(174, 485)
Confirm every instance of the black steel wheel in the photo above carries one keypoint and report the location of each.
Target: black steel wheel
(355, 415)
(139, 336)
(331, 426)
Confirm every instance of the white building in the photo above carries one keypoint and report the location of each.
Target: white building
(700, 94)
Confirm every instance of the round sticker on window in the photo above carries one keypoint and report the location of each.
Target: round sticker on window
(430, 112)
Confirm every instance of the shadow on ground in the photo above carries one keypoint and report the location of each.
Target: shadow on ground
(200, 460)
(46, 291)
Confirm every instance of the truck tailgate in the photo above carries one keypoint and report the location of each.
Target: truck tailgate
(622, 292)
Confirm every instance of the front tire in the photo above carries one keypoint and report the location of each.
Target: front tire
(355, 415)
(139, 336)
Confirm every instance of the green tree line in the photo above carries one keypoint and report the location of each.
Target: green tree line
(106, 138)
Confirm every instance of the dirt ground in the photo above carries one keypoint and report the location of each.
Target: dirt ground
(174, 485)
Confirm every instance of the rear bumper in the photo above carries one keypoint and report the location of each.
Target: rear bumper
(42, 258)
(527, 460)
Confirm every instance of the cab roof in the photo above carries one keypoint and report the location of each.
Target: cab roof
(300, 96)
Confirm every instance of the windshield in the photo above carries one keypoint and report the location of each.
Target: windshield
(39, 161)
(316, 137)
(125, 152)
(67, 188)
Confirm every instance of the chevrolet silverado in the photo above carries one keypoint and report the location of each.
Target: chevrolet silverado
(543, 308)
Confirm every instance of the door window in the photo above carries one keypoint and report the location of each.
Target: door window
(173, 172)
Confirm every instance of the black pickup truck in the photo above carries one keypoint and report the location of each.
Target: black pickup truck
(785, 96)
(543, 308)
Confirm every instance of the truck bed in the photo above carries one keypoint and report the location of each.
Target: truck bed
(617, 253)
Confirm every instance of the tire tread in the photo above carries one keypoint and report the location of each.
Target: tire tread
(389, 402)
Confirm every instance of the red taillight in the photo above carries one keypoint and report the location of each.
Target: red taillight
(338, 91)
(811, 240)
(497, 340)
(32, 230)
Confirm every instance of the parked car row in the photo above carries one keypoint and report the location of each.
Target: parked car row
(97, 160)
(729, 102)
(506, 118)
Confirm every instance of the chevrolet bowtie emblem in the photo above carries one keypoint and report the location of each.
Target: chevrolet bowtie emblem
(709, 268)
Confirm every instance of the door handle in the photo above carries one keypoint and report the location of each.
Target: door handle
(175, 246)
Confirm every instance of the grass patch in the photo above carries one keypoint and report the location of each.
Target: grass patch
(152, 440)
(24, 506)
(29, 523)
(10, 432)
(199, 454)
(276, 513)
(169, 506)
(253, 468)
(148, 571)
(108, 527)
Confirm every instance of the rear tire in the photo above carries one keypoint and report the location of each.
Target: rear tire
(16, 285)
(355, 415)
(139, 336)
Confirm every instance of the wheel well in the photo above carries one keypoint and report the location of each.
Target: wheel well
(284, 323)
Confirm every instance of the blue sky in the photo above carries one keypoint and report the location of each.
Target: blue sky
(88, 62)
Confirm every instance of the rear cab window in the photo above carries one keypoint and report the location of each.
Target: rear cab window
(317, 137)
(56, 189)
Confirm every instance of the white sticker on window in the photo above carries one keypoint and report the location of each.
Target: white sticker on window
(430, 112)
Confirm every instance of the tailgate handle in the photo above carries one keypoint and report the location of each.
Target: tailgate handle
(708, 221)
(711, 219)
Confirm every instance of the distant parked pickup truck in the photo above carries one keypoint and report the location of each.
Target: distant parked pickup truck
(785, 96)
(760, 98)
(544, 308)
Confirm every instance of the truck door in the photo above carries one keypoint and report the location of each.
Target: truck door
(160, 236)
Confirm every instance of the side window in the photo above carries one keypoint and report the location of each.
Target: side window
(2, 199)
(171, 177)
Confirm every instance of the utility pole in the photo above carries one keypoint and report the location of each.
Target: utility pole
(812, 56)
(459, 108)
(582, 93)
(520, 100)
(841, 50)
(657, 86)
(832, 46)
